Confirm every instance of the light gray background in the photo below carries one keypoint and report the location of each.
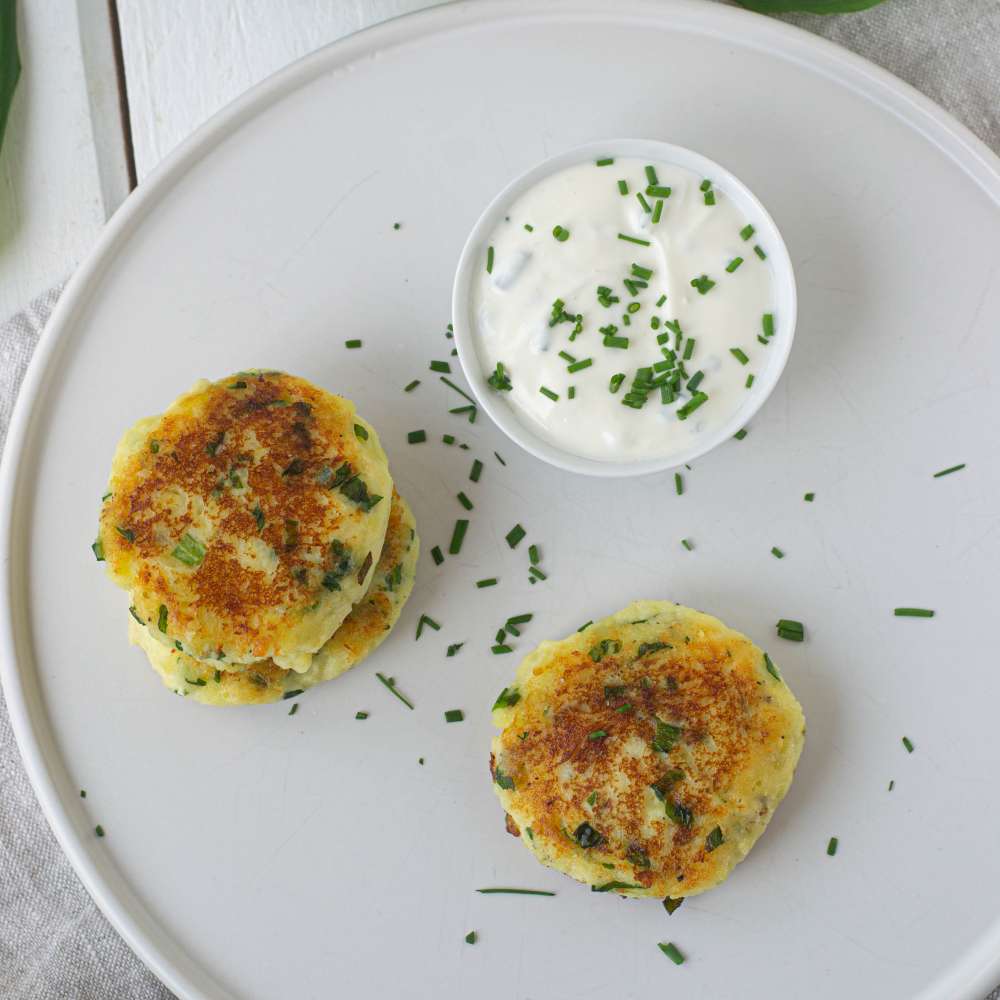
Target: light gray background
(53, 940)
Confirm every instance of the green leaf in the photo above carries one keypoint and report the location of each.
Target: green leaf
(808, 6)
(10, 62)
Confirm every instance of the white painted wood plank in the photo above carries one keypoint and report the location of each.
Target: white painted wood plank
(51, 203)
(186, 59)
(101, 73)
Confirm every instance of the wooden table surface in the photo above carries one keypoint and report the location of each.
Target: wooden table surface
(92, 116)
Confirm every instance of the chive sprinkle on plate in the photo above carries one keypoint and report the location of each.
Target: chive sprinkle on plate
(390, 683)
(913, 612)
(672, 952)
(416, 437)
(948, 472)
(458, 536)
(790, 629)
(515, 536)
(831, 847)
(454, 715)
(516, 892)
(908, 743)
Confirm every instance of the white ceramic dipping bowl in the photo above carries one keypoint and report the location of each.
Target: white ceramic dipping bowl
(471, 264)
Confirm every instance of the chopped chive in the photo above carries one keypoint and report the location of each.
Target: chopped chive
(489, 260)
(616, 380)
(448, 438)
(560, 233)
(517, 892)
(597, 734)
(99, 830)
(749, 381)
(672, 905)
(465, 501)
(642, 272)
(740, 355)
(747, 231)
(521, 619)
(98, 549)
(545, 391)
(709, 197)
(740, 434)
(688, 348)
(660, 301)
(694, 381)
(534, 556)
(767, 324)
(678, 483)
(471, 937)
(645, 204)
(361, 715)
(499, 379)
(734, 264)
(567, 357)
(657, 210)
(946, 472)
(705, 185)
(161, 621)
(391, 685)
(500, 648)
(623, 187)
(441, 366)
(908, 743)
(454, 715)
(809, 497)
(530, 228)
(498, 458)
(437, 555)
(686, 542)
(831, 848)
(892, 784)
(651, 175)
(491, 582)
(471, 410)
(617, 342)
(759, 251)
(633, 239)
(515, 535)
(127, 533)
(352, 344)
(771, 668)
(691, 405)
(777, 553)
(429, 622)
(671, 951)
(585, 625)
(537, 573)
(457, 536)
(578, 366)
(913, 613)
(787, 628)
(605, 161)
(658, 191)
(416, 437)
(454, 648)
(189, 550)
(703, 284)
(476, 471)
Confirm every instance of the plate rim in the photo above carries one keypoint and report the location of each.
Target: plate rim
(974, 972)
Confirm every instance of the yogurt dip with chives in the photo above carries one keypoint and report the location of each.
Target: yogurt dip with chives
(623, 309)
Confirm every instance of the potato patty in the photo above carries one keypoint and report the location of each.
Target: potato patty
(645, 754)
(246, 519)
(362, 631)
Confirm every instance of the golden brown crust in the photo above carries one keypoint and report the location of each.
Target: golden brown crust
(248, 468)
(580, 747)
(369, 622)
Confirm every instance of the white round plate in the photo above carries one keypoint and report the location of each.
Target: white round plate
(253, 854)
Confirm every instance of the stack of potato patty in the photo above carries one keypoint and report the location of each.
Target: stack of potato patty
(257, 530)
